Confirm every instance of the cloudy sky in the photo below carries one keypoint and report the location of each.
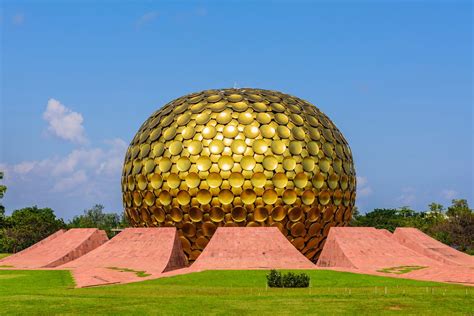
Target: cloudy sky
(78, 79)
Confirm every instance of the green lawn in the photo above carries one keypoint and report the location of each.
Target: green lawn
(230, 292)
(3, 255)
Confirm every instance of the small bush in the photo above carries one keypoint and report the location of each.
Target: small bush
(276, 279)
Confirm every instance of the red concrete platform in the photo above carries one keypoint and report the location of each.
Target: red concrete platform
(57, 249)
(367, 247)
(243, 248)
(150, 250)
(423, 244)
(368, 250)
(157, 252)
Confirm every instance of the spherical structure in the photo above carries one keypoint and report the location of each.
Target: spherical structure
(240, 157)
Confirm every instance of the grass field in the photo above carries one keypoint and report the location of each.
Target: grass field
(230, 292)
(3, 255)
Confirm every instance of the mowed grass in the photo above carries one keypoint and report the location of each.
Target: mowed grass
(230, 292)
(3, 255)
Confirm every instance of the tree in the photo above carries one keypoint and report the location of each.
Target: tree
(457, 230)
(96, 218)
(458, 208)
(381, 218)
(355, 216)
(3, 189)
(436, 208)
(390, 219)
(26, 227)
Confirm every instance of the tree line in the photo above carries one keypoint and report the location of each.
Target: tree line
(453, 226)
(26, 226)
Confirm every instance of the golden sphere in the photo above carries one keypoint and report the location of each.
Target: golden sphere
(240, 157)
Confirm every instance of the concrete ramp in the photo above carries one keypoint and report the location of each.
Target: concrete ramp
(135, 254)
(423, 244)
(386, 232)
(245, 248)
(367, 248)
(57, 249)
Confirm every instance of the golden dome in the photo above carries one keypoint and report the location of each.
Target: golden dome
(240, 157)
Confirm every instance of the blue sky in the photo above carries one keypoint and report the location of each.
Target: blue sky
(78, 79)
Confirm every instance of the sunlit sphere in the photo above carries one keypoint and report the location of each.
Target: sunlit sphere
(240, 157)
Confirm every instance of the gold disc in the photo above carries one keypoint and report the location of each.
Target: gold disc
(192, 180)
(225, 163)
(260, 146)
(278, 213)
(260, 214)
(239, 214)
(248, 196)
(183, 197)
(280, 180)
(203, 196)
(238, 146)
(216, 147)
(236, 180)
(258, 179)
(270, 196)
(247, 163)
(226, 196)
(216, 214)
(214, 180)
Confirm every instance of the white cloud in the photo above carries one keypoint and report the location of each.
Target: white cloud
(18, 19)
(408, 196)
(64, 123)
(146, 18)
(115, 157)
(68, 183)
(81, 178)
(363, 192)
(71, 182)
(83, 158)
(363, 188)
(24, 167)
(449, 194)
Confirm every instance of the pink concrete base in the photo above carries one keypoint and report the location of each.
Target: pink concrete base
(241, 248)
(429, 247)
(367, 250)
(158, 253)
(367, 247)
(385, 232)
(57, 249)
(151, 250)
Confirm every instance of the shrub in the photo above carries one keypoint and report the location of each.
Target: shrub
(276, 279)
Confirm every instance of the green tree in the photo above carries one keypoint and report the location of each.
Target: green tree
(3, 189)
(458, 208)
(96, 218)
(457, 230)
(381, 218)
(436, 208)
(27, 226)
